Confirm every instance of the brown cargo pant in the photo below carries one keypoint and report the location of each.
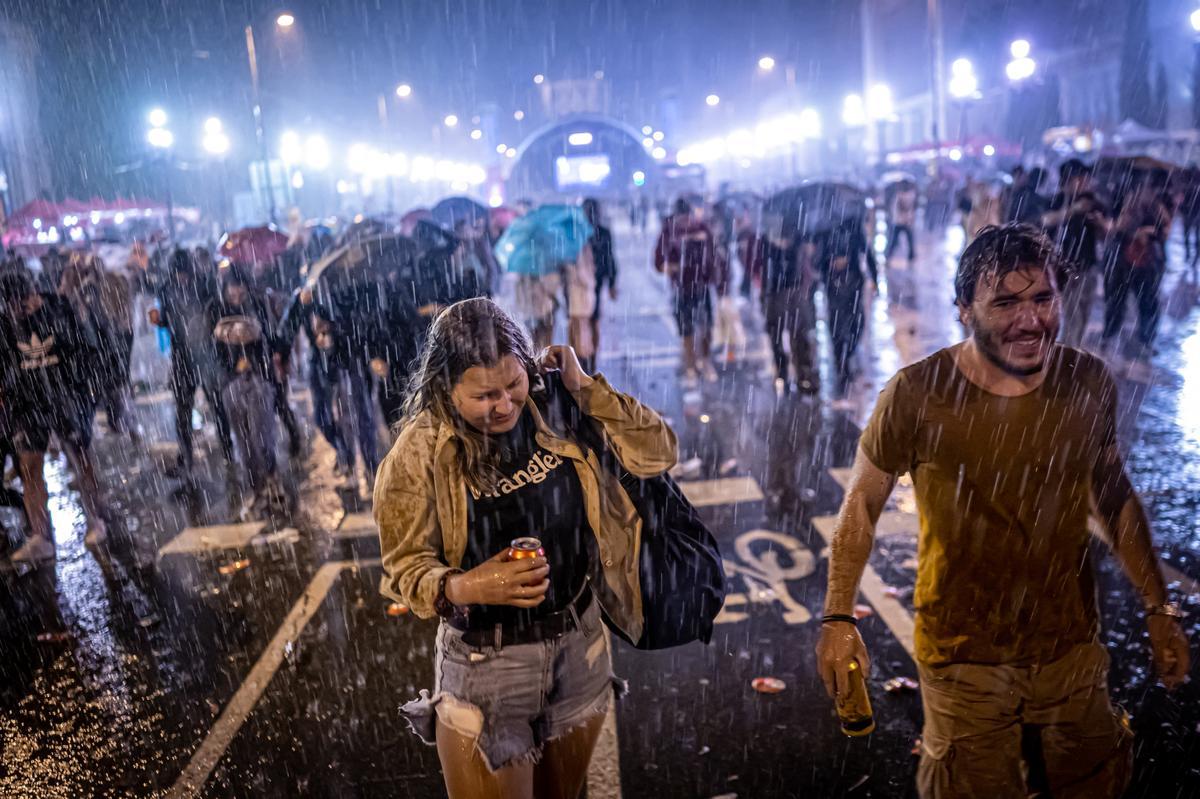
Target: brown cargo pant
(1012, 731)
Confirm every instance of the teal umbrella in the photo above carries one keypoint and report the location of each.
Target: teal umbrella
(542, 240)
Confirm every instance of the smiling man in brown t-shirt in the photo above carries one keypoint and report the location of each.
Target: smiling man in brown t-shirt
(1011, 443)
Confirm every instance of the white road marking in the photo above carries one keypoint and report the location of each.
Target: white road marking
(872, 587)
(193, 778)
(193, 540)
(722, 491)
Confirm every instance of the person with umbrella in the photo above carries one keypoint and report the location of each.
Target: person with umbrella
(605, 260)
(789, 309)
(183, 296)
(242, 335)
(902, 218)
(104, 304)
(545, 249)
(686, 253)
(841, 260)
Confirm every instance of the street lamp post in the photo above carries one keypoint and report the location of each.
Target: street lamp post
(161, 138)
(1194, 19)
(216, 144)
(285, 21)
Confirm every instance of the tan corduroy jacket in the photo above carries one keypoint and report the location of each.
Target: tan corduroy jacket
(421, 501)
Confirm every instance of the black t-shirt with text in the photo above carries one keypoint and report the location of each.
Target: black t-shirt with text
(540, 496)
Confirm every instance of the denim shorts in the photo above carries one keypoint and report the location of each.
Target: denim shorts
(513, 700)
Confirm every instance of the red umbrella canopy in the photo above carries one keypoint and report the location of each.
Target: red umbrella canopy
(253, 245)
(500, 218)
(45, 210)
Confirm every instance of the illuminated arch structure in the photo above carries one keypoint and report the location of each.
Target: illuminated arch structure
(581, 156)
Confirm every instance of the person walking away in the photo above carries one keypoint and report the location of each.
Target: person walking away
(242, 336)
(183, 299)
(579, 280)
(1135, 264)
(1189, 210)
(47, 383)
(789, 310)
(685, 252)
(845, 294)
(982, 208)
(484, 456)
(938, 195)
(1025, 203)
(103, 303)
(605, 258)
(1010, 440)
(903, 217)
(1076, 222)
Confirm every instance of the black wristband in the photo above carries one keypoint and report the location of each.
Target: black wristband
(839, 617)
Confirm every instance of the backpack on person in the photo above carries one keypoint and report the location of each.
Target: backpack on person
(680, 569)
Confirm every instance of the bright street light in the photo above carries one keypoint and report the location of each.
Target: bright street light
(879, 102)
(539, 79)
(658, 153)
(647, 130)
(810, 124)
(1195, 20)
(1022, 66)
(477, 134)
(403, 90)
(160, 138)
(290, 148)
(215, 142)
(963, 83)
(500, 148)
(518, 115)
(285, 20)
(712, 100)
(854, 114)
(316, 152)
(659, 135)
(989, 150)
(157, 117)
(450, 121)
(766, 63)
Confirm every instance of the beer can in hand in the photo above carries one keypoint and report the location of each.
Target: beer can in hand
(854, 705)
(527, 547)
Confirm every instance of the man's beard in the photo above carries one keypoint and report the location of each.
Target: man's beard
(991, 347)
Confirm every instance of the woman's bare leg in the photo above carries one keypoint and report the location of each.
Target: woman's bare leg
(467, 775)
(563, 769)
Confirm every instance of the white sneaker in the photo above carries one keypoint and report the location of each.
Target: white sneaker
(97, 534)
(34, 550)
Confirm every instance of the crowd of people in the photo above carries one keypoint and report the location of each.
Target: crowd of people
(231, 327)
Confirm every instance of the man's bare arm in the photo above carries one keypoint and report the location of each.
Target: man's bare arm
(855, 533)
(1128, 529)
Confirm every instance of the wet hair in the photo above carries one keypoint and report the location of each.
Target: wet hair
(470, 333)
(682, 207)
(591, 210)
(235, 276)
(181, 261)
(999, 250)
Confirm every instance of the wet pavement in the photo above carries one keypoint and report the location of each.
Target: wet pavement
(199, 658)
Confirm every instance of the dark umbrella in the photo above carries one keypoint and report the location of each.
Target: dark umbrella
(452, 210)
(814, 207)
(253, 245)
(408, 222)
(377, 255)
(366, 228)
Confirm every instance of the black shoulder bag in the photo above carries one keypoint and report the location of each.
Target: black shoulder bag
(681, 573)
